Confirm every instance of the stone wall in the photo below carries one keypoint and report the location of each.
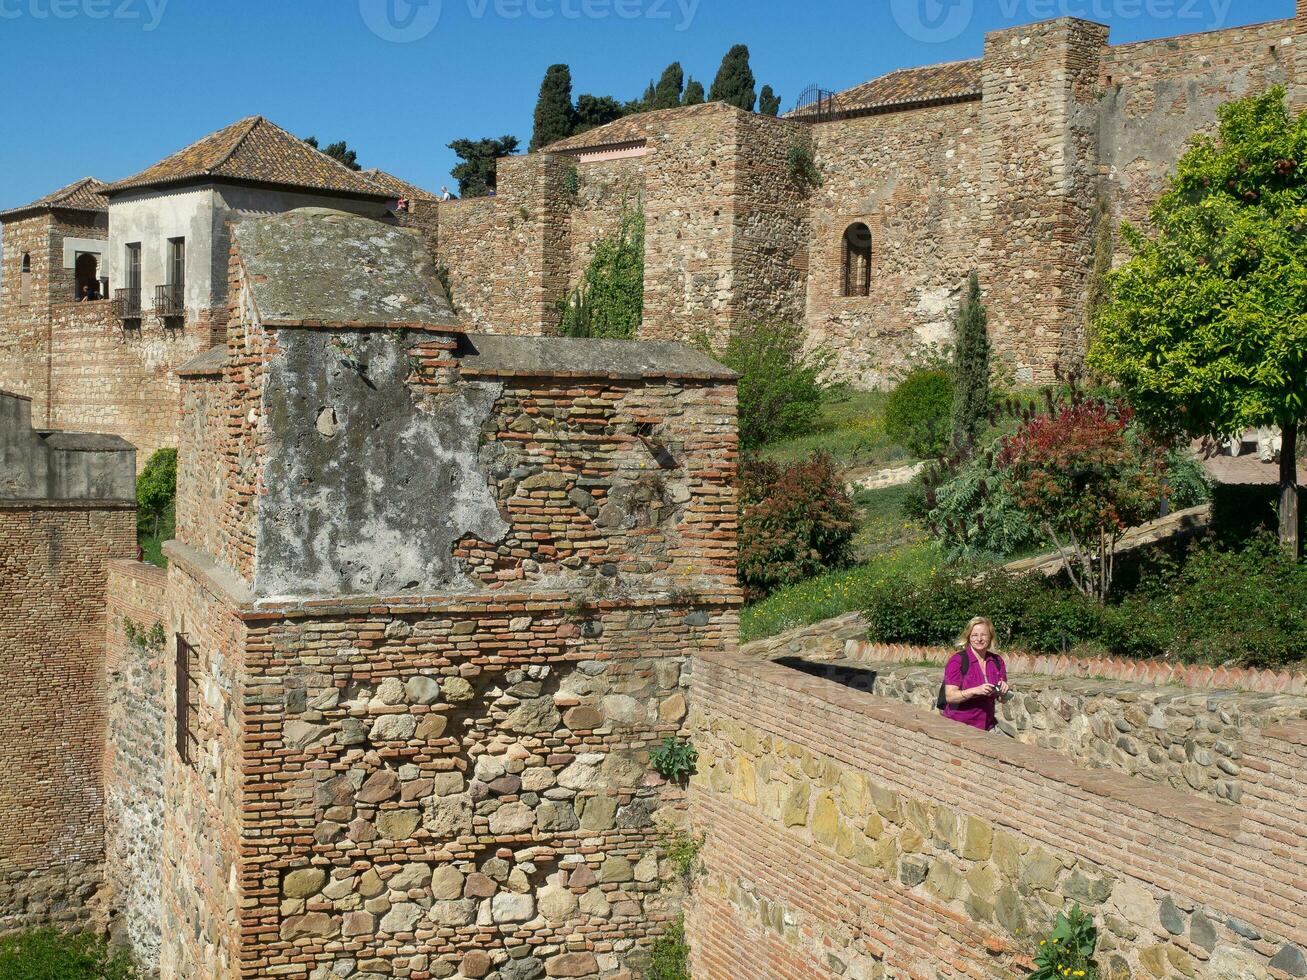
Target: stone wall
(849, 835)
(914, 178)
(52, 690)
(133, 755)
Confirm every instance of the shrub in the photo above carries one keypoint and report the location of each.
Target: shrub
(780, 391)
(1220, 607)
(1242, 607)
(1077, 472)
(803, 167)
(609, 301)
(47, 954)
(156, 489)
(796, 521)
(976, 518)
(1187, 483)
(918, 413)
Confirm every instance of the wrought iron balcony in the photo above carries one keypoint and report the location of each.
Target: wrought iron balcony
(169, 301)
(127, 303)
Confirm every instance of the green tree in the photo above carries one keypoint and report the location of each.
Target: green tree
(609, 300)
(476, 174)
(693, 93)
(156, 488)
(555, 119)
(667, 93)
(338, 151)
(596, 110)
(734, 83)
(1205, 327)
(970, 368)
(769, 103)
(780, 388)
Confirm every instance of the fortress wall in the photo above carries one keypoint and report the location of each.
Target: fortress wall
(607, 188)
(134, 754)
(24, 327)
(52, 704)
(915, 179)
(852, 835)
(1156, 94)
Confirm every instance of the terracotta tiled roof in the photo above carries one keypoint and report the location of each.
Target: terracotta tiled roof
(257, 151)
(80, 195)
(629, 129)
(394, 187)
(910, 86)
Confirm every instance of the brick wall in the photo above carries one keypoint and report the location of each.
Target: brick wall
(133, 755)
(52, 704)
(851, 835)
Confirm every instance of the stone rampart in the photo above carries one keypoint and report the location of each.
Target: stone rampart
(851, 835)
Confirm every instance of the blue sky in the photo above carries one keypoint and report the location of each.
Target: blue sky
(106, 87)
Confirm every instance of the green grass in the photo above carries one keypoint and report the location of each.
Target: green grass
(851, 430)
(152, 544)
(884, 526)
(835, 593)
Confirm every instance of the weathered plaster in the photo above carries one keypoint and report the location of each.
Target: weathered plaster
(367, 488)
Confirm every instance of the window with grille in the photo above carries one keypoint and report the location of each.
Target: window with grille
(186, 700)
(857, 260)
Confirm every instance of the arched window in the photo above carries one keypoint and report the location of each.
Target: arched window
(857, 260)
(25, 279)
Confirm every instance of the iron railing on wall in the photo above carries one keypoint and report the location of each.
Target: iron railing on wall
(169, 301)
(127, 303)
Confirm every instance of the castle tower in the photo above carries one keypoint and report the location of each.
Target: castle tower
(1040, 158)
(433, 598)
(54, 247)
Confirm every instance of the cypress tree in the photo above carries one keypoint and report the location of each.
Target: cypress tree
(769, 103)
(970, 368)
(693, 93)
(554, 116)
(734, 83)
(667, 93)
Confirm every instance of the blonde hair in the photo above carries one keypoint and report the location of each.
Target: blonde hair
(984, 621)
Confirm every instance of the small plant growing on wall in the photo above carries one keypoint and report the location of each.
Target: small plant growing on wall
(675, 759)
(683, 850)
(442, 275)
(145, 638)
(803, 167)
(572, 181)
(1068, 951)
(670, 955)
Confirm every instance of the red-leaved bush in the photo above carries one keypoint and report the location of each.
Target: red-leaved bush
(1078, 472)
(796, 521)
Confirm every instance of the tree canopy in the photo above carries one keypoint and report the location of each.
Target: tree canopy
(476, 174)
(734, 83)
(970, 368)
(1205, 327)
(555, 119)
(769, 103)
(667, 93)
(338, 151)
(694, 94)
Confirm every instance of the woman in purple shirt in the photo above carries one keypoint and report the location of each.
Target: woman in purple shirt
(970, 696)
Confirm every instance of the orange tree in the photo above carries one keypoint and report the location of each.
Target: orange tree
(1080, 472)
(1205, 327)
